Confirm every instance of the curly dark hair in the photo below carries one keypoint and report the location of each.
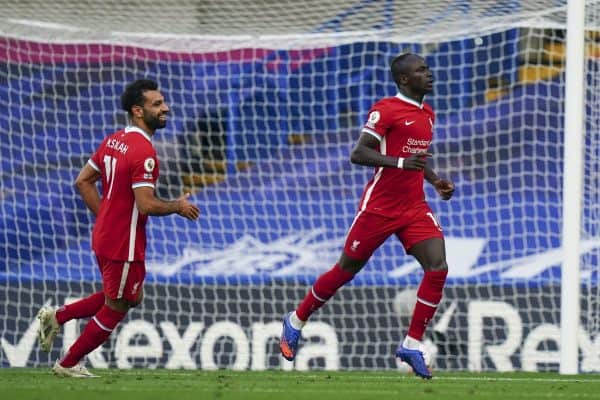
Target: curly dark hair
(134, 93)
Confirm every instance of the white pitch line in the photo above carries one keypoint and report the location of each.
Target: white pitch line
(505, 379)
(372, 377)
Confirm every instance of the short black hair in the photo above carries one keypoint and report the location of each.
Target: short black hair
(134, 93)
(399, 66)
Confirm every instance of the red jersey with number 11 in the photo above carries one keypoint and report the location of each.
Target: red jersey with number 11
(127, 160)
(403, 127)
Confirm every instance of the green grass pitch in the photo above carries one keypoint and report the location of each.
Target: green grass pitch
(138, 384)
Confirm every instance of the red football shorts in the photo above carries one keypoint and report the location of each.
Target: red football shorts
(122, 279)
(369, 231)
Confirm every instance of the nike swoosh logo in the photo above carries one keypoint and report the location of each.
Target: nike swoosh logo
(407, 123)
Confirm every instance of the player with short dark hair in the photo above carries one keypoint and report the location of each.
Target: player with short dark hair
(395, 140)
(127, 164)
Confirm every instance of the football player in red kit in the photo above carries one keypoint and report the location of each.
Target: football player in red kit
(127, 165)
(395, 140)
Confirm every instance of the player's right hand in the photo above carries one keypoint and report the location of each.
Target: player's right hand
(416, 162)
(187, 209)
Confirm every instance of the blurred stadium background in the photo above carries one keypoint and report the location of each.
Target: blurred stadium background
(267, 100)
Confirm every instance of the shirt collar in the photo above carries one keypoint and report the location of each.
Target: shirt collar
(132, 128)
(409, 100)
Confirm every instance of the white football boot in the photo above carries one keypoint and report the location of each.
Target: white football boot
(48, 328)
(76, 371)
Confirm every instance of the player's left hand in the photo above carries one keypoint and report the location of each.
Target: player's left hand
(445, 188)
(187, 209)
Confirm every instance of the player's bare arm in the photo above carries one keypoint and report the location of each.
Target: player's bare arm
(444, 187)
(366, 152)
(86, 185)
(149, 204)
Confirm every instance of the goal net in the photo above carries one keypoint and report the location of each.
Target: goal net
(267, 100)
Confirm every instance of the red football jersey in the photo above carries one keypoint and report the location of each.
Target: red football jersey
(127, 160)
(403, 127)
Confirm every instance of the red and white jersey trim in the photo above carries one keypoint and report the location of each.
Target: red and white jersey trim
(148, 138)
(409, 100)
(93, 165)
(372, 133)
(133, 232)
(132, 128)
(376, 178)
(101, 325)
(141, 184)
(123, 279)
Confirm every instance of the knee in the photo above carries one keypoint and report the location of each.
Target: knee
(120, 305)
(350, 265)
(437, 265)
(137, 301)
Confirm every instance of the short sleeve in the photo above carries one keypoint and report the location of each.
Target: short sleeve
(95, 160)
(378, 121)
(144, 169)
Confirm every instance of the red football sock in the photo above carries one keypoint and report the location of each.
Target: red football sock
(83, 308)
(322, 290)
(96, 332)
(428, 297)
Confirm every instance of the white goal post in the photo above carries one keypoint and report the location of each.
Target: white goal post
(572, 188)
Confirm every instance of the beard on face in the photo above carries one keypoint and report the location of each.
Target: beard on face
(153, 121)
